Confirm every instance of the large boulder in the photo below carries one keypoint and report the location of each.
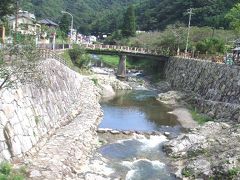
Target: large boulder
(184, 144)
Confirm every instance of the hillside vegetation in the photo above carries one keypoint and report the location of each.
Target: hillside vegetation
(90, 16)
(106, 16)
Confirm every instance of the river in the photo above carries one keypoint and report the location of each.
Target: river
(137, 157)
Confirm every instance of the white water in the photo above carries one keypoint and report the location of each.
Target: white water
(137, 159)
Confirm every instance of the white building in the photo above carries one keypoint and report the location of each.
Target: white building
(26, 23)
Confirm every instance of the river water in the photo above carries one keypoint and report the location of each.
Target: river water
(138, 158)
(138, 110)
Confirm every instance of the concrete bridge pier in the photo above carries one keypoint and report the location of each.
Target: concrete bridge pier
(121, 72)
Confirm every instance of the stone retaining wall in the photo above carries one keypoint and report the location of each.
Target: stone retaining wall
(30, 113)
(216, 86)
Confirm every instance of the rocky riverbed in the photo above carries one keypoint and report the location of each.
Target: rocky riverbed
(210, 151)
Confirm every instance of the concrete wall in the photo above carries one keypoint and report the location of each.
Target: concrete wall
(216, 86)
(30, 113)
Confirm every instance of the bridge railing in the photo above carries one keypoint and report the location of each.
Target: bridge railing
(128, 49)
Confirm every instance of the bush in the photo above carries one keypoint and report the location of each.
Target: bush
(78, 56)
(211, 45)
(8, 173)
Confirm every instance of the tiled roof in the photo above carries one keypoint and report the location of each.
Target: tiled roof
(47, 22)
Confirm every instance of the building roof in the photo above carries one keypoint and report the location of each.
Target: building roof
(47, 22)
(236, 49)
(11, 18)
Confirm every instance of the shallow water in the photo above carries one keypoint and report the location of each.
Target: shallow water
(138, 110)
(137, 159)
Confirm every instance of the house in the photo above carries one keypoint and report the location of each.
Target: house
(26, 23)
(48, 22)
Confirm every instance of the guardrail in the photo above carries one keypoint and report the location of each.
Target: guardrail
(127, 49)
(100, 47)
(46, 53)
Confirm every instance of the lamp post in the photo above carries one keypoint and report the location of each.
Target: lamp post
(71, 31)
(189, 25)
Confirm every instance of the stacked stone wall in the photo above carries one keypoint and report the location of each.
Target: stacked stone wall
(216, 86)
(29, 114)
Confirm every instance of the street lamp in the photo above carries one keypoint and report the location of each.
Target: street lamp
(71, 31)
(189, 25)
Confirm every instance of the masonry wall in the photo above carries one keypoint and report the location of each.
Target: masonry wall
(30, 113)
(216, 87)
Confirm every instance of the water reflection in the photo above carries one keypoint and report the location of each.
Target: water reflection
(138, 110)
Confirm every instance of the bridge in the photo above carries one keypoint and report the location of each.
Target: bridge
(122, 51)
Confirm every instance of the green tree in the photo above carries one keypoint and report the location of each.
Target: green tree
(79, 56)
(64, 24)
(6, 7)
(129, 22)
(233, 16)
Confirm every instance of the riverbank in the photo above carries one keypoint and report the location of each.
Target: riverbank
(207, 151)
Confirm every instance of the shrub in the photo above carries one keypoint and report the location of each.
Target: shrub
(8, 173)
(5, 168)
(211, 45)
(78, 56)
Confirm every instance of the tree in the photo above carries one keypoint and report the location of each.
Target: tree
(129, 22)
(19, 64)
(6, 7)
(64, 24)
(233, 16)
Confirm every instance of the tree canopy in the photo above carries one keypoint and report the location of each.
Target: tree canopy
(129, 23)
(64, 24)
(106, 16)
(234, 17)
(6, 7)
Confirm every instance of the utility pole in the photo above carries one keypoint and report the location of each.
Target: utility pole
(16, 22)
(189, 26)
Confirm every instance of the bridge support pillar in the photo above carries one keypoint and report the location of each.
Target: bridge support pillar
(121, 73)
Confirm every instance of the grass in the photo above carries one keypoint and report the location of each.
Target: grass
(109, 60)
(8, 173)
(187, 173)
(95, 81)
(139, 63)
(233, 172)
(70, 64)
(37, 120)
(66, 57)
(200, 118)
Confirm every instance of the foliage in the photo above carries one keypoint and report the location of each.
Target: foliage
(104, 17)
(129, 23)
(64, 24)
(95, 81)
(174, 36)
(22, 64)
(115, 38)
(210, 45)
(153, 14)
(8, 173)
(65, 55)
(90, 16)
(187, 173)
(233, 172)
(233, 17)
(6, 7)
(78, 56)
(109, 60)
(200, 118)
